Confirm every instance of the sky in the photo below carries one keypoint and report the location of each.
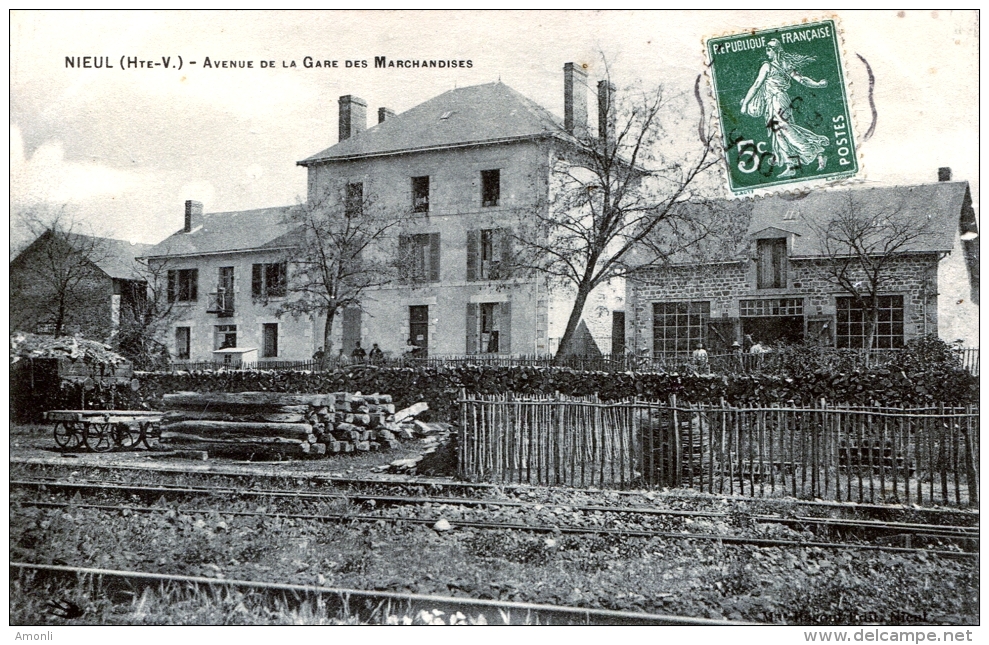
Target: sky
(124, 148)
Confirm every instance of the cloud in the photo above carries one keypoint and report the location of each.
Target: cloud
(48, 177)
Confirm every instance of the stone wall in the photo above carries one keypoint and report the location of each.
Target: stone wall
(914, 276)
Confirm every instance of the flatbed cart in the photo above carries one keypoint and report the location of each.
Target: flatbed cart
(104, 430)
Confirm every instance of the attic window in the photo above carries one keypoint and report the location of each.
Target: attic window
(446, 115)
(791, 215)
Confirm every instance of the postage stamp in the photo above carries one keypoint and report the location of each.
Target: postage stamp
(782, 102)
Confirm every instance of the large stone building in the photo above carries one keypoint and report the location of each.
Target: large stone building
(461, 171)
(777, 283)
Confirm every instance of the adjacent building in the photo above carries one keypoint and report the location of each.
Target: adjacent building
(74, 284)
(777, 285)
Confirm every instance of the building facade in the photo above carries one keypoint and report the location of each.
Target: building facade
(460, 173)
(779, 287)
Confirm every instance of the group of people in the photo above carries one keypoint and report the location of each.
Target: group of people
(699, 356)
(358, 356)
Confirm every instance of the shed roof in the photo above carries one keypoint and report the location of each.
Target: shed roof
(468, 115)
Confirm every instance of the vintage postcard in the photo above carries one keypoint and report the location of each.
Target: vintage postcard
(657, 318)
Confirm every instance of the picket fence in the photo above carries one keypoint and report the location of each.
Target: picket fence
(876, 455)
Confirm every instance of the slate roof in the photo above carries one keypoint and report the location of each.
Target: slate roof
(942, 203)
(476, 114)
(230, 231)
(949, 205)
(116, 258)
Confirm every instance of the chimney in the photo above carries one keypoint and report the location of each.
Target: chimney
(193, 210)
(944, 174)
(575, 100)
(385, 113)
(606, 113)
(353, 116)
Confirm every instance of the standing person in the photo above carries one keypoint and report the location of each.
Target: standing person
(700, 358)
(747, 343)
(376, 356)
(342, 359)
(358, 355)
(768, 99)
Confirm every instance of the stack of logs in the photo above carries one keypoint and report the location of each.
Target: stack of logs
(253, 425)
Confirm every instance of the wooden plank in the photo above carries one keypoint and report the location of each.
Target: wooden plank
(242, 429)
(180, 400)
(168, 437)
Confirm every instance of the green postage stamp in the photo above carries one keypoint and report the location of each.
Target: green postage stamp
(783, 107)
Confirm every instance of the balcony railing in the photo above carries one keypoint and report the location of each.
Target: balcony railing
(221, 303)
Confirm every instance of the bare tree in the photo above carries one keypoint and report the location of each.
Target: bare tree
(344, 249)
(623, 199)
(56, 285)
(145, 314)
(860, 244)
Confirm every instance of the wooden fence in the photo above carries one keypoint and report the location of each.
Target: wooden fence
(875, 455)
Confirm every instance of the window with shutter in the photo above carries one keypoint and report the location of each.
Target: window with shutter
(183, 337)
(183, 285)
(473, 254)
(269, 280)
(505, 328)
(434, 257)
(269, 340)
(472, 339)
(771, 264)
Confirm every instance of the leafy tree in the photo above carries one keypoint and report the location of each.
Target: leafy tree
(629, 197)
(344, 248)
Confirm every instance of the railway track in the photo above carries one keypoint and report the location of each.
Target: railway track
(964, 537)
(480, 491)
(349, 600)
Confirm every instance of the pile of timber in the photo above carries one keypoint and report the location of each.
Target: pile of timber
(265, 425)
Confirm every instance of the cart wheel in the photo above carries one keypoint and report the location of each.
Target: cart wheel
(127, 435)
(98, 437)
(67, 435)
(150, 432)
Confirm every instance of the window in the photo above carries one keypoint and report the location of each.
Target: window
(354, 204)
(773, 321)
(269, 280)
(771, 264)
(489, 253)
(269, 340)
(850, 323)
(420, 194)
(618, 333)
(183, 336)
(183, 285)
(678, 326)
(225, 336)
(771, 307)
(420, 257)
(489, 328)
(490, 187)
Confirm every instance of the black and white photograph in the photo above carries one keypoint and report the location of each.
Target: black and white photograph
(663, 319)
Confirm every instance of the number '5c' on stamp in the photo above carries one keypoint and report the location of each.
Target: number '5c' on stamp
(783, 106)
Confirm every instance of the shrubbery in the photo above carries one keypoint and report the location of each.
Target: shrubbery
(927, 372)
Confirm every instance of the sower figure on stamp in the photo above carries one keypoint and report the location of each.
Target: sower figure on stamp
(767, 99)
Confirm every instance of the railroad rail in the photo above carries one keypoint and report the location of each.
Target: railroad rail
(337, 599)
(948, 530)
(471, 488)
(964, 538)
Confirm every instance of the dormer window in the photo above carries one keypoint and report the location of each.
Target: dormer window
(771, 264)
